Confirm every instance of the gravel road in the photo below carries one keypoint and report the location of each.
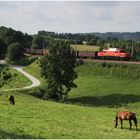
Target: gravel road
(35, 81)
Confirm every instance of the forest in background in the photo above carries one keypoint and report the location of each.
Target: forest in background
(44, 39)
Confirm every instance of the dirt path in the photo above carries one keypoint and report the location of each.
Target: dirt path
(35, 81)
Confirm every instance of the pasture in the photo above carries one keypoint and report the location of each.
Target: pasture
(35, 118)
(90, 112)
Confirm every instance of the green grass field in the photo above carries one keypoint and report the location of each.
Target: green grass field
(85, 47)
(95, 103)
(17, 81)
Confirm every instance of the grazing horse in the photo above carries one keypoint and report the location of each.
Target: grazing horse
(11, 99)
(126, 116)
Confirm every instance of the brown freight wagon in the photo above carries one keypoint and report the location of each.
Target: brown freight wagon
(27, 50)
(39, 51)
(86, 54)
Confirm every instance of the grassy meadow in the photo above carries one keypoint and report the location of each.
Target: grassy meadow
(89, 113)
(35, 118)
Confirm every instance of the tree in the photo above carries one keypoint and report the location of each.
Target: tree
(15, 52)
(3, 49)
(37, 42)
(58, 69)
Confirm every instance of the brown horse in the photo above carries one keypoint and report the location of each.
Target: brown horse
(126, 116)
(11, 99)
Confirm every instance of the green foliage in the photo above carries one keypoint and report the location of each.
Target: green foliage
(24, 61)
(5, 76)
(37, 42)
(58, 69)
(15, 52)
(79, 62)
(3, 49)
(77, 38)
(10, 78)
(105, 69)
(39, 92)
(9, 36)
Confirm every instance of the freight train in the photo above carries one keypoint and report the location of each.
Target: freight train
(111, 53)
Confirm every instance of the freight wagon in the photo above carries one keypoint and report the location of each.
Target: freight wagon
(86, 54)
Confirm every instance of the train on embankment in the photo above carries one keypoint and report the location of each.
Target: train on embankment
(106, 54)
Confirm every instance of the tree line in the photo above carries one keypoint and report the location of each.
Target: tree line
(45, 39)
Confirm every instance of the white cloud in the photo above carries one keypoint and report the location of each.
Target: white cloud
(90, 16)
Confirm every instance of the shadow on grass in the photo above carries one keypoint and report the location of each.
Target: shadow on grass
(7, 135)
(113, 100)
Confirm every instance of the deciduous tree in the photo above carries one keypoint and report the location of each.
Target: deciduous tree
(58, 69)
(15, 52)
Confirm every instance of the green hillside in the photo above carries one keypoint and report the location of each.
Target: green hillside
(100, 94)
(35, 118)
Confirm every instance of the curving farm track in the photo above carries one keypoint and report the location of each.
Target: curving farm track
(35, 81)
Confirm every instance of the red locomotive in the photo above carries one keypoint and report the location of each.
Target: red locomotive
(114, 53)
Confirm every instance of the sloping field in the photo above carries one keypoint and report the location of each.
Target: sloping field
(35, 118)
(107, 87)
(100, 96)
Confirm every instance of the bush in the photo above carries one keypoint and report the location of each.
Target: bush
(79, 62)
(24, 61)
(6, 75)
(39, 92)
(103, 64)
(15, 52)
(125, 71)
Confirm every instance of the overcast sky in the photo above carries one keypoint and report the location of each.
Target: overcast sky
(72, 16)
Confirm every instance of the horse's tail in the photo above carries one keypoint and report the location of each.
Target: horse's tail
(135, 120)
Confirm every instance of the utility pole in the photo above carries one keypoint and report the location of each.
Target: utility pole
(75, 45)
(132, 51)
(43, 46)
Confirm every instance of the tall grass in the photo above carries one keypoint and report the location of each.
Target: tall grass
(122, 71)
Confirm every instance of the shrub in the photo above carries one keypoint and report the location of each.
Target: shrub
(109, 69)
(15, 52)
(6, 75)
(24, 61)
(39, 92)
(79, 62)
